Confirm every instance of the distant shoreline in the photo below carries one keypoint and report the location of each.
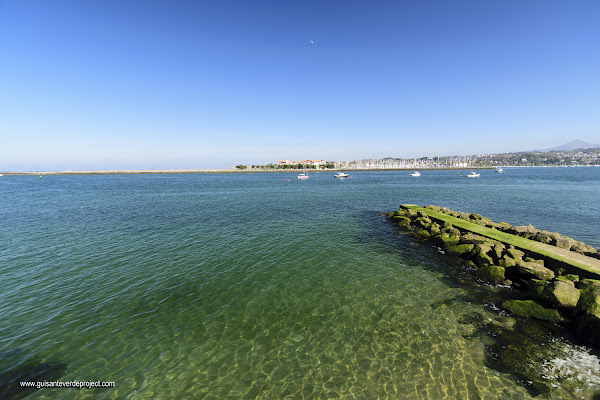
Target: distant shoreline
(226, 171)
(246, 171)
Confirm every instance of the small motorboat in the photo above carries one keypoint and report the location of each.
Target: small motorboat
(473, 174)
(416, 173)
(303, 175)
(341, 175)
(499, 170)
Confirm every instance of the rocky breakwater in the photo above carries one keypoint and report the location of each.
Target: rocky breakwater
(556, 278)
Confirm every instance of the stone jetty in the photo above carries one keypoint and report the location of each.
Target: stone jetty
(558, 277)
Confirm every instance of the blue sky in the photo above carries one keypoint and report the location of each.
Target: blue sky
(211, 84)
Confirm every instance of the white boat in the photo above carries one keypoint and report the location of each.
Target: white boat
(499, 170)
(473, 174)
(341, 175)
(303, 175)
(416, 173)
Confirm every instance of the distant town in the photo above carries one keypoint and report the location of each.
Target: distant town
(577, 157)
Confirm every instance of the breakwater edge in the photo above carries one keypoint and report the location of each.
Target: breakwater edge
(549, 277)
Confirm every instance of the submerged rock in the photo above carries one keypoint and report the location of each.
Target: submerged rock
(531, 309)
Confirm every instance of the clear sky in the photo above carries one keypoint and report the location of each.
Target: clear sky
(104, 84)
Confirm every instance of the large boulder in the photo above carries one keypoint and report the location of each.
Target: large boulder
(531, 309)
(497, 250)
(480, 255)
(582, 248)
(434, 229)
(534, 270)
(524, 231)
(507, 261)
(502, 226)
(491, 273)
(471, 238)
(402, 221)
(461, 249)
(451, 230)
(463, 215)
(563, 294)
(514, 253)
(559, 293)
(544, 237)
(423, 233)
(564, 242)
(422, 222)
(446, 240)
(589, 301)
(533, 260)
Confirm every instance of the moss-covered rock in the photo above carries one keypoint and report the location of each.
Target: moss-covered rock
(565, 280)
(531, 309)
(452, 231)
(411, 213)
(423, 233)
(463, 215)
(507, 261)
(424, 223)
(534, 270)
(514, 253)
(445, 240)
(563, 243)
(536, 288)
(533, 260)
(582, 248)
(471, 238)
(502, 226)
(491, 273)
(543, 237)
(480, 255)
(563, 294)
(434, 229)
(558, 293)
(461, 249)
(497, 250)
(572, 278)
(589, 301)
(402, 221)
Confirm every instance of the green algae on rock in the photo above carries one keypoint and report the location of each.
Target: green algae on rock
(545, 265)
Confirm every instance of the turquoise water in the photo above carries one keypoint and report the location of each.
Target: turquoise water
(263, 286)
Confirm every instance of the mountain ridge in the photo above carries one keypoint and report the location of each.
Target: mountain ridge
(573, 145)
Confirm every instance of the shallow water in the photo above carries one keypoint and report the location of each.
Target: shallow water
(265, 286)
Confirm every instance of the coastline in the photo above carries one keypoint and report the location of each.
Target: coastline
(257, 170)
(226, 171)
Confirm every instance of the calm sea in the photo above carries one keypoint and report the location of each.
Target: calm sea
(227, 286)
